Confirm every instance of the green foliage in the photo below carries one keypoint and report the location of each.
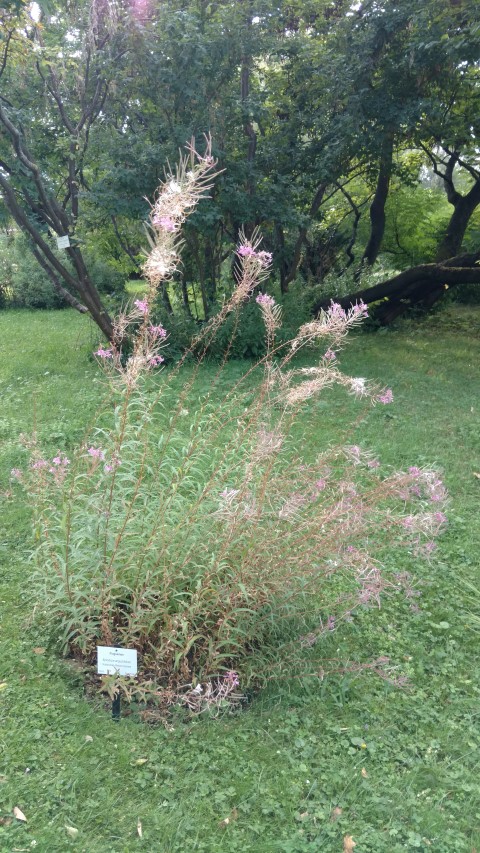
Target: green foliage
(321, 91)
(31, 286)
(28, 284)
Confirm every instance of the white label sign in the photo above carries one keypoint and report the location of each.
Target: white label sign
(63, 242)
(115, 661)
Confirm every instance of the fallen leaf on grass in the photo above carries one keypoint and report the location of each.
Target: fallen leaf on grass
(336, 812)
(39, 650)
(139, 828)
(3, 685)
(364, 773)
(88, 739)
(72, 831)
(19, 814)
(476, 475)
(5, 821)
(348, 844)
(140, 761)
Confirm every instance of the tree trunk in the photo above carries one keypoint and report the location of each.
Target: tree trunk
(81, 282)
(185, 299)
(377, 207)
(464, 207)
(423, 284)
(290, 273)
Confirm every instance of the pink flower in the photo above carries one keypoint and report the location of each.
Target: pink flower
(385, 397)
(440, 517)
(373, 463)
(330, 355)
(360, 309)
(164, 222)
(142, 305)
(156, 360)
(157, 331)
(110, 466)
(60, 461)
(40, 463)
(265, 299)
(96, 452)
(414, 471)
(336, 311)
(104, 353)
(245, 251)
(16, 474)
(231, 677)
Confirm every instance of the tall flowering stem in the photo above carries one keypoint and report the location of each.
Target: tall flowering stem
(190, 525)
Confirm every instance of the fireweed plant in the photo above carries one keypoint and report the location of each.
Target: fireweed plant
(193, 529)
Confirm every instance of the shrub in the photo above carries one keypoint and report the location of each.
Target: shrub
(31, 287)
(196, 531)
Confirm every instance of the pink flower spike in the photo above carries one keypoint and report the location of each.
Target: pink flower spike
(142, 305)
(360, 309)
(104, 353)
(110, 466)
(232, 678)
(265, 299)
(245, 251)
(157, 331)
(386, 397)
(96, 452)
(166, 223)
(156, 360)
(336, 311)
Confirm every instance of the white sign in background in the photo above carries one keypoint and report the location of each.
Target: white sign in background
(114, 661)
(63, 242)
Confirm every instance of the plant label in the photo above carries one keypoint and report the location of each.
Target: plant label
(114, 661)
(63, 242)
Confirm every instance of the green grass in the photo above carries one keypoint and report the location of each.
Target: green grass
(402, 765)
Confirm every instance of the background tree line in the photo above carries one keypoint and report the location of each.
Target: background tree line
(348, 134)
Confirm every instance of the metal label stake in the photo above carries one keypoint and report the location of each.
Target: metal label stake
(116, 708)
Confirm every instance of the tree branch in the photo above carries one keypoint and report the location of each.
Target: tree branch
(62, 292)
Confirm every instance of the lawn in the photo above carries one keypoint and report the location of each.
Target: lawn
(306, 765)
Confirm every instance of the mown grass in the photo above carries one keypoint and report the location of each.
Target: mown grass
(306, 764)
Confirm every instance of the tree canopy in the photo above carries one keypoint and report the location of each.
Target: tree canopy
(347, 133)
